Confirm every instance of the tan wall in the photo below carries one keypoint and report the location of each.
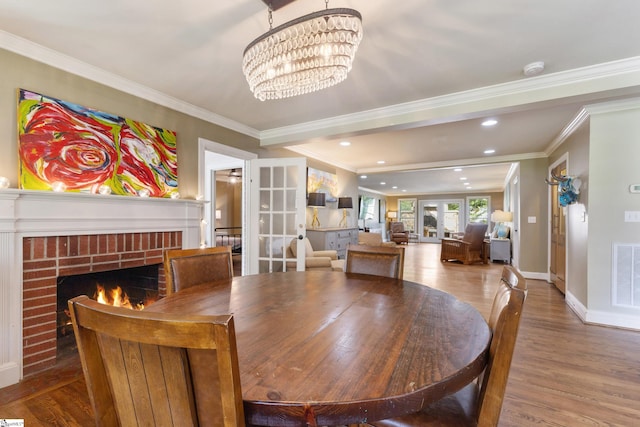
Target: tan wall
(20, 72)
(533, 203)
(576, 147)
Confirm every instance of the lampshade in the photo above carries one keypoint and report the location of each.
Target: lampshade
(304, 55)
(392, 214)
(501, 216)
(345, 203)
(316, 199)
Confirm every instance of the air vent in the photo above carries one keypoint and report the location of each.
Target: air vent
(626, 275)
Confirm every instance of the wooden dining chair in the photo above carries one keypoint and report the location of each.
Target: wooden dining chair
(145, 368)
(480, 403)
(189, 267)
(384, 261)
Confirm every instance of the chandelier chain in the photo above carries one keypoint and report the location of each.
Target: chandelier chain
(270, 18)
(326, 4)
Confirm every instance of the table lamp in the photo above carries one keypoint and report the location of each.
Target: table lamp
(316, 200)
(392, 215)
(344, 203)
(500, 217)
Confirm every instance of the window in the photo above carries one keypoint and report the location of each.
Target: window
(367, 208)
(407, 213)
(478, 209)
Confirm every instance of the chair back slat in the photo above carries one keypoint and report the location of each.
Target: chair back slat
(375, 260)
(158, 369)
(504, 322)
(190, 267)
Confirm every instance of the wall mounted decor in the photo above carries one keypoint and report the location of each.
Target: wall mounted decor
(568, 188)
(65, 145)
(323, 182)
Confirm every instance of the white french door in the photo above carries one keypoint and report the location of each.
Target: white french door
(438, 219)
(277, 205)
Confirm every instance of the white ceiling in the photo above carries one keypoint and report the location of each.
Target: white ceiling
(425, 75)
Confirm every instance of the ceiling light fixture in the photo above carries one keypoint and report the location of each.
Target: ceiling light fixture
(345, 143)
(489, 151)
(489, 122)
(304, 55)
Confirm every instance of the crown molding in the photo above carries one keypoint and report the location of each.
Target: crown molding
(567, 131)
(72, 65)
(594, 78)
(454, 163)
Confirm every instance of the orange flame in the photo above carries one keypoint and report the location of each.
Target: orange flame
(116, 297)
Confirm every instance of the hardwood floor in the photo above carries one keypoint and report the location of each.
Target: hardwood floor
(564, 373)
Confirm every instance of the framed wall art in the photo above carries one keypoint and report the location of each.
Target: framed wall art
(322, 182)
(68, 147)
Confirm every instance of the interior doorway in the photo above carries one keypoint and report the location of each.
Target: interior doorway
(558, 243)
(226, 163)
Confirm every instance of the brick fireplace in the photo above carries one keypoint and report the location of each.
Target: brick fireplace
(44, 235)
(47, 258)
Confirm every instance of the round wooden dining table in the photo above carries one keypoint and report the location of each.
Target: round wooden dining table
(330, 348)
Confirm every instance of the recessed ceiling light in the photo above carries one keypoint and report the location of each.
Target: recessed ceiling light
(466, 183)
(404, 191)
(345, 143)
(363, 176)
(490, 122)
(469, 187)
(383, 183)
(457, 170)
(394, 187)
(463, 178)
(381, 162)
(490, 151)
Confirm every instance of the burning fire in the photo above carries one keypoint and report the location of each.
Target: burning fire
(115, 297)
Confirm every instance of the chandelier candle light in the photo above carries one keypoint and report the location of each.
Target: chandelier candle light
(305, 55)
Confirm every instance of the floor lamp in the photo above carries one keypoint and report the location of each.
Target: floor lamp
(316, 200)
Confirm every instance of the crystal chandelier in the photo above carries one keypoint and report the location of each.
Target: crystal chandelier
(307, 54)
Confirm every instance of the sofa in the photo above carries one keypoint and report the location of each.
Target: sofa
(314, 260)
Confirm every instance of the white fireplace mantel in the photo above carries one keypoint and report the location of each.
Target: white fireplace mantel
(25, 213)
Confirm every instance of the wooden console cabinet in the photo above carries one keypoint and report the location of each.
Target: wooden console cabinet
(333, 238)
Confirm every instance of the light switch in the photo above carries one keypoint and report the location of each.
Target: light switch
(631, 216)
(531, 220)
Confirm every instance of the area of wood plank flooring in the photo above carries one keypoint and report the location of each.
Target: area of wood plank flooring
(564, 373)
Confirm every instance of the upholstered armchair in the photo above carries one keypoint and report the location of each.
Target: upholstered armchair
(469, 249)
(314, 260)
(397, 233)
(372, 239)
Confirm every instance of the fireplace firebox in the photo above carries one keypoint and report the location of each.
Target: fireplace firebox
(135, 288)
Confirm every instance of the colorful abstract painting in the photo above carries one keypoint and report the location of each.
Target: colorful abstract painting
(68, 146)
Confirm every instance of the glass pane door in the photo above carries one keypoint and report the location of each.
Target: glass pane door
(440, 219)
(278, 188)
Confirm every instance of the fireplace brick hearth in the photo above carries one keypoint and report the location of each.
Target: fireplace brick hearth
(46, 258)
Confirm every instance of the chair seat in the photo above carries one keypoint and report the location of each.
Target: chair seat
(454, 410)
